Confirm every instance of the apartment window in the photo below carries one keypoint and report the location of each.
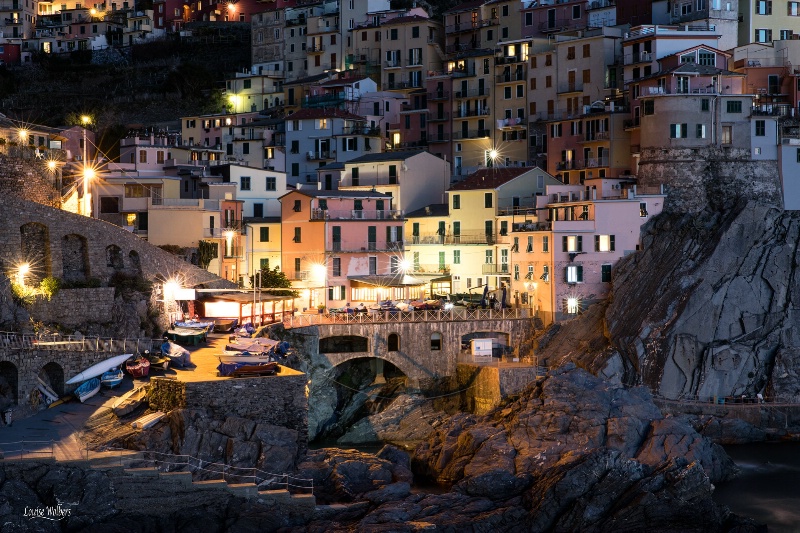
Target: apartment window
(706, 58)
(142, 156)
(678, 131)
(516, 272)
(701, 131)
(605, 273)
(571, 52)
(271, 183)
(488, 257)
(373, 266)
(787, 35)
(263, 234)
(648, 107)
(545, 243)
(576, 11)
(763, 35)
(504, 32)
(733, 106)
(548, 81)
(572, 243)
(643, 209)
(794, 9)
(487, 200)
(727, 132)
(603, 243)
(456, 201)
(393, 34)
(574, 274)
(704, 106)
(295, 169)
(533, 84)
(354, 178)
(545, 272)
(337, 267)
(763, 7)
(297, 235)
(415, 32)
(761, 128)
(456, 257)
(244, 183)
(587, 50)
(322, 124)
(529, 19)
(507, 93)
(160, 157)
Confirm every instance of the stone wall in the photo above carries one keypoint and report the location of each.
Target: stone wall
(166, 394)
(488, 385)
(80, 246)
(697, 178)
(276, 400)
(73, 307)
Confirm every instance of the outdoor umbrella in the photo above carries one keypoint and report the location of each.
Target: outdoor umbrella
(503, 303)
(485, 296)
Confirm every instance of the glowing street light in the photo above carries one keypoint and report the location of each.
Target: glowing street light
(88, 173)
(23, 269)
(404, 265)
(23, 135)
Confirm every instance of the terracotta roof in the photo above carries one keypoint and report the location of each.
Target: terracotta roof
(304, 114)
(489, 178)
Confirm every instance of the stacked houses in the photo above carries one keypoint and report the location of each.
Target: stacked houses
(376, 153)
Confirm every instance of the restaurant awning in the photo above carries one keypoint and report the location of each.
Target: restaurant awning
(396, 280)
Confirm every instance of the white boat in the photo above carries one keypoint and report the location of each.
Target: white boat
(236, 357)
(96, 370)
(112, 378)
(46, 391)
(129, 401)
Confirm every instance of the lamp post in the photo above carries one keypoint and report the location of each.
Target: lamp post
(86, 120)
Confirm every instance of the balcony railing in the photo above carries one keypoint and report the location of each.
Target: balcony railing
(599, 4)
(368, 246)
(438, 137)
(470, 134)
(432, 268)
(439, 95)
(299, 275)
(474, 44)
(361, 130)
(511, 76)
(561, 24)
(319, 156)
(439, 117)
(315, 49)
(472, 93)
(471, 25)
(356, 214)
(595, 136)
(232, 252)
(395, 63)
(464, 113)
(641, 57)
(461, 238)
(494, 269)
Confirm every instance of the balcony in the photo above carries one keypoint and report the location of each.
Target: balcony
(565, 165)
(494, 269)
(315, 49)
(466, 113)
(399, 85)
(471, 25)
(475, 44)
(438, 137)
(438, 95)
(432, 268)
(509, 60)
(573, 87)
(231, 252)
(361, 130)
(508, 77)
(299, 275)
(439, 117)
(368, 246)
(470, 134)
(394, 63)
(593, 162)
(630, 123)
(356, 214)
(511, 123)
(561, 24)
(319, 156)
(599, 4)
(461, 238)
(472, 93)
(595, 136)
(641, 57)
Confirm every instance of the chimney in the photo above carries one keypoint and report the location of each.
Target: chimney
(427, 210)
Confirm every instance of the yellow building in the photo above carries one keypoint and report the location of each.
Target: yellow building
(263, 243)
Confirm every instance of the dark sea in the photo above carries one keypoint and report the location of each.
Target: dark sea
(768, 489)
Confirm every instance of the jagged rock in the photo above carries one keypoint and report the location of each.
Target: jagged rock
(409, 418)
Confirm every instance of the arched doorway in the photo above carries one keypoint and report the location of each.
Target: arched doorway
(393, 343)
(114, 257)
(53, 375)
(9, 384)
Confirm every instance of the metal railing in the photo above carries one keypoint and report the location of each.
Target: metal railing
(20, 341)
(356, 214)
(376, 317)
(28, 449)
(461, 238)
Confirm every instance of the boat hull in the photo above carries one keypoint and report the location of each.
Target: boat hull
(98, 369)
(129, 401)
(87, 389)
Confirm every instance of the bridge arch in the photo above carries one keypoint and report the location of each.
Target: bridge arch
(9, 381)
(55, 376)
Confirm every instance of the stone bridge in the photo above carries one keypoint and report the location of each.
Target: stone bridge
(424, 345)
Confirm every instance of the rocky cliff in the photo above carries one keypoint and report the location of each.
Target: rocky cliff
(571, 453)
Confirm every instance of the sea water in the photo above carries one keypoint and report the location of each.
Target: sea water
(768, 488)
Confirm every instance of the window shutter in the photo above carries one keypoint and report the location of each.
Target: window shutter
(388, 234)
(400, 233)
(330, 293)
(344, 144)
(672, 132)
(597, 243)
(564, 243)
(342, 292)
(611, 242)
(580, 274)
(566, 274)
(580, 243)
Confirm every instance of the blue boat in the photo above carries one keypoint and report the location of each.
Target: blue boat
(112, 378)
(87, 389)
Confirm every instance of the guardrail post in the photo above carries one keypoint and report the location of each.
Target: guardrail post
(52, 449)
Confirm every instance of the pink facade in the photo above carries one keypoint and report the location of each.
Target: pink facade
(336, 243)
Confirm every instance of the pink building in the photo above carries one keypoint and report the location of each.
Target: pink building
(341, 246)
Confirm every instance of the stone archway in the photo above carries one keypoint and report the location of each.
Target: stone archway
(393, 342)
(53, 374)
(35, 250)
(74, 257)
(135, 263)
(9, 384)
(343, 344)
(114, 257)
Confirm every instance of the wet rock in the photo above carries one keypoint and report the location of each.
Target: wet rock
(408, 419)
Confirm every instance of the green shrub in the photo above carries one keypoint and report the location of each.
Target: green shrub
(49, 287)
(22, 295)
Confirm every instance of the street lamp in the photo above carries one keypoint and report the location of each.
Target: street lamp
(86, 120)
(21, 271)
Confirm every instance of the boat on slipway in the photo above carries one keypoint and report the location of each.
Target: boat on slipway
(112, 378)
(98, 369)
(128, 402)
(87, 389)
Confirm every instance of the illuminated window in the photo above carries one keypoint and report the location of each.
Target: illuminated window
(574, 274)
(603, 243)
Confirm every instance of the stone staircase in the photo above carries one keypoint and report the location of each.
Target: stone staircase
(164, 492)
